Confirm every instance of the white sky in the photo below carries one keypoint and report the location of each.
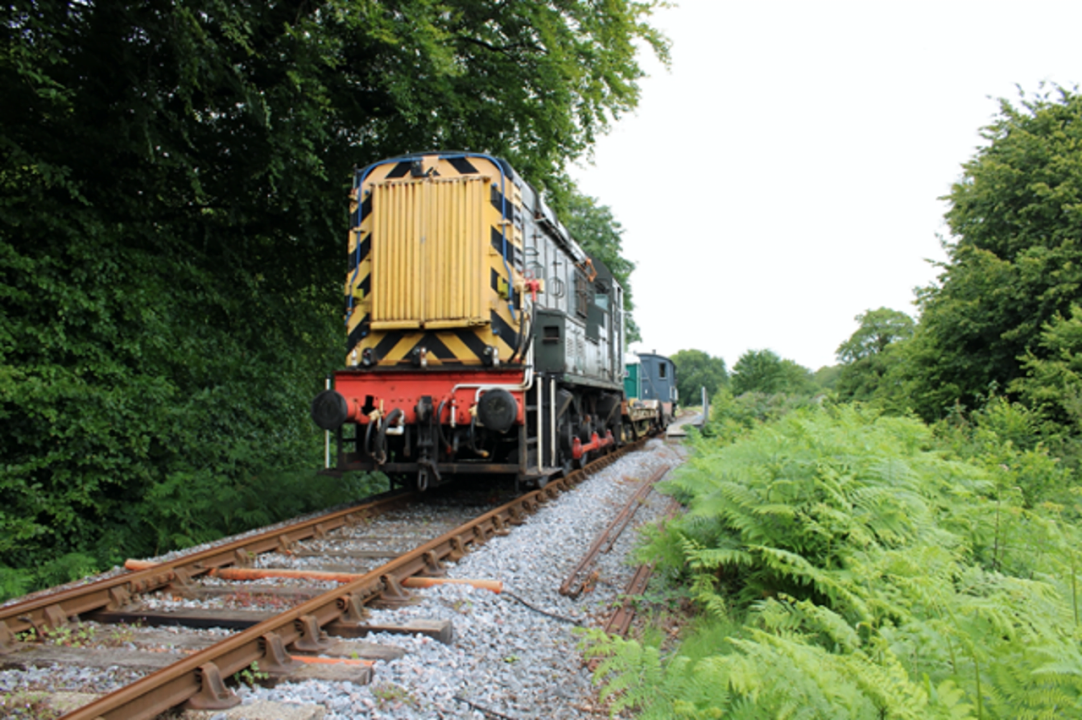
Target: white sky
(783, 176)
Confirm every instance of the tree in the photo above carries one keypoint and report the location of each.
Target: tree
(597, 231)
(764, 372)
(878, 329)
(827, 376)
(1016, 259)
(1053, 381)
(173, 178)
(695, 370)
(870, 353)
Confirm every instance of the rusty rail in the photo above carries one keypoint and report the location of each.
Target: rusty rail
(619, 622)
(578, 580)
(197, 679)
(51, 611)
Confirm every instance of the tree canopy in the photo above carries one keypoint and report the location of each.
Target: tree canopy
(1052, 384)
(173, 181)
(878, 329)
(763, 371)
(1015, 261)
(870, 352)
(696, 370)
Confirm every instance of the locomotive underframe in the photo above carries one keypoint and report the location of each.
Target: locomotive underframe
(560, 424)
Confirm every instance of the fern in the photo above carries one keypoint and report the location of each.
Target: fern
(871, 577)
(633, 670)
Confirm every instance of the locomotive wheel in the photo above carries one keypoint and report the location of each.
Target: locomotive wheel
(566, 437)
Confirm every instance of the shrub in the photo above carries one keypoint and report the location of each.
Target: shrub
(869, 574)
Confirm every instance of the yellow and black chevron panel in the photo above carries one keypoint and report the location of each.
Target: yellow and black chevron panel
(435, 261)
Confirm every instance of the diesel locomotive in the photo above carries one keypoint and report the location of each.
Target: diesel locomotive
(481, 337)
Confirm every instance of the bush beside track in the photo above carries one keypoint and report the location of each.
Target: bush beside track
(854, 565)
(180, 433)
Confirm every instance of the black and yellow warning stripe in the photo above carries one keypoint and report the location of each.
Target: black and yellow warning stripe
(455, 343)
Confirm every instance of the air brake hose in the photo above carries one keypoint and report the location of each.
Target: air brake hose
(439, 425)
(524, 337)
(394, 417)
(372, 423)
(473, 433)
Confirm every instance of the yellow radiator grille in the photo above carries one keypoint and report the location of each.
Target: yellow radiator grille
(429, 241)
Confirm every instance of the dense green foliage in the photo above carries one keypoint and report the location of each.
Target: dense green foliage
(870, 353)
(827, 376)
(878, 329)
(851, 564)
(732, 416)
(696, 370)
(1052, 383)
(173, 182)
(849, 570)
(763, 371)
(762, 387)
(1016, 260)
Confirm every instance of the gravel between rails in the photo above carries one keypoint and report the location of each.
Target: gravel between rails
(505, 657)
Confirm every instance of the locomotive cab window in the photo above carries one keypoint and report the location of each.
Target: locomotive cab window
(661, 370)
(595, 321)
(582, 294)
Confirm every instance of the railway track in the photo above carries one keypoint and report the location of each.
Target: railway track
(365, 557)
